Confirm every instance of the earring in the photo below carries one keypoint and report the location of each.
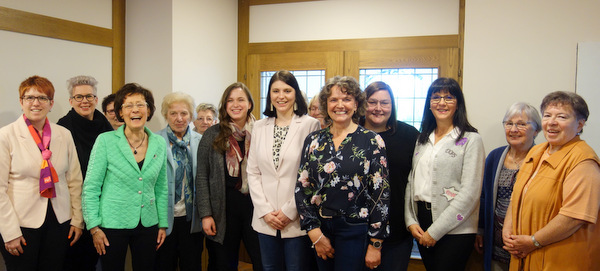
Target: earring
(295, 106)
(272, 107)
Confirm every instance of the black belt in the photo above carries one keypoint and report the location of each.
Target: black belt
(424, 204)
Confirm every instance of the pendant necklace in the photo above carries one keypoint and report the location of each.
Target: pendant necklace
(135, 148)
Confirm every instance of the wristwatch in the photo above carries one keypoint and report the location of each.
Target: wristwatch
(535, 242)
(376, 244)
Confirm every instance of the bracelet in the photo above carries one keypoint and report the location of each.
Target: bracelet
(318, 239)
(95, 232)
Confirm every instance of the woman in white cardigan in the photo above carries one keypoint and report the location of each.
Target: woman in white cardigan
(442, 195)
(273, 163)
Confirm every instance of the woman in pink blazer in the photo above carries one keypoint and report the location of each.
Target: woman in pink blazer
(40, 184)
(272, 169)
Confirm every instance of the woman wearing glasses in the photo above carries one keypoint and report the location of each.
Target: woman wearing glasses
(399, 139)
(40, 184)
(85, 124)
(521, 124)
(125, 195)
(442, 195)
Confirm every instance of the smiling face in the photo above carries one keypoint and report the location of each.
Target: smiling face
(36, 111)
(379, 109)
(443, 111)
(560, 125)
(178, 117)
(340, 106)
(84, 108)
(111, 116)
(520, 138)
(204, 120)
(134, 111)
(237, 106)
(283, 97)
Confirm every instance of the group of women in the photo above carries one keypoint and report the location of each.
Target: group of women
(346, 190)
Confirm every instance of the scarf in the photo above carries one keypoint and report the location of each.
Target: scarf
(234, 155)
(48, 175)
(84, 133)
(183, 160)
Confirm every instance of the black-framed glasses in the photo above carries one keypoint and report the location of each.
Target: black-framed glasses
(520, 125)
(79, 98)
(435, 99)
(31, 99)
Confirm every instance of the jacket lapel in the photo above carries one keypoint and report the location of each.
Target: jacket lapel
(289, 138)
(269, 139)
(26, 139)
(123, 145)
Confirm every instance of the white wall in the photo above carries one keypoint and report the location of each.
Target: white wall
(24, 55)
(351, 19)
(181, 45)
(148, 50)
(520, 51)
(204, 48)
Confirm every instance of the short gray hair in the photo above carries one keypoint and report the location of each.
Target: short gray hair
(207, 106)
(81, 80)
(532, 114)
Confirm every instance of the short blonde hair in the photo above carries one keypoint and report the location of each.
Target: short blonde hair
(177, 97)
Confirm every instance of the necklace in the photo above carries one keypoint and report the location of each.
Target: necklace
(135, 148)
(517, 163)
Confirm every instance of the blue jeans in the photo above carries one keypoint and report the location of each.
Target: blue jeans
(395, 255)
(290, 254)
(349, 240)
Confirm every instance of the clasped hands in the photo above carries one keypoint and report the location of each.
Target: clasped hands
(422, 237)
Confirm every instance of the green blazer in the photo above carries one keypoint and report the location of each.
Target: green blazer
(116, 193)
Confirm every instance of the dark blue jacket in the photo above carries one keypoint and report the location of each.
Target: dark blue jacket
(493, 163)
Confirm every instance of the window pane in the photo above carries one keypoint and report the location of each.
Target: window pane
(409, 86)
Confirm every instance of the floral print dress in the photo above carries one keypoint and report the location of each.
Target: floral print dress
(352, 181)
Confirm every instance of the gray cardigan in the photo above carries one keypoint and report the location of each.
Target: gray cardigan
(210, 193)
(456, 186)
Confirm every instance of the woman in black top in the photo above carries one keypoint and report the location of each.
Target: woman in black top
(400, 141)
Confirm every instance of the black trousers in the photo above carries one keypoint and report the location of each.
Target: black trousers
(46, 246)
(238, 211)
(450, 253)
(82, 256)
(142, 243)
(181, 248)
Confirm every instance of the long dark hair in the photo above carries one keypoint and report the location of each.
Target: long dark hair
(460, 116)
(222, 138)
(370, 90)
(288, 78)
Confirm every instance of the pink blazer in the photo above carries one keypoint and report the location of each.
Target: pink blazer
(20, 159)
(273, 189)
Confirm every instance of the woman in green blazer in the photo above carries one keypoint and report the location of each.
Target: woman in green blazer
(125, 195)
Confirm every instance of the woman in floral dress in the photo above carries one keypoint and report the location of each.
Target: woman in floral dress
(342, 193)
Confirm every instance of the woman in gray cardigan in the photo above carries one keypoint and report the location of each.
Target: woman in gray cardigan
(442, 195)
(221, 182)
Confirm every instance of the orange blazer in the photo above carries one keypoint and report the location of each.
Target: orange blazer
(20, 159)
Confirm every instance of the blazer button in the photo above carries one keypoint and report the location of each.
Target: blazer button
(139, 192)
(140, 178)
(142, 205)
